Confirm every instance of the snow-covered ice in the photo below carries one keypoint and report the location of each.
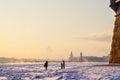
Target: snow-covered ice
(73, 71)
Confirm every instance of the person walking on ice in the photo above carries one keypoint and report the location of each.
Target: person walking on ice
(46, 65)
(63, 64)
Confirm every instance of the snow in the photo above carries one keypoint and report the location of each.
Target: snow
(73, 71)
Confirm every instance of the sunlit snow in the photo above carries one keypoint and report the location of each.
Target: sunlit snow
(73, 71)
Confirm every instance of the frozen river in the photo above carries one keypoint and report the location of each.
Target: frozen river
(73, 71)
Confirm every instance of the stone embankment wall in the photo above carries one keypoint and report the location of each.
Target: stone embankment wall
(115, 47)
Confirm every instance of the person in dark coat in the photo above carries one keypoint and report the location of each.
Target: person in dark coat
(46, 65)
(63, 64)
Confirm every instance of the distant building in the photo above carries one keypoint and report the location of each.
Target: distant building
(82, 58)
(73, 58)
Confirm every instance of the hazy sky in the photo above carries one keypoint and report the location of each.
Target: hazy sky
(48, 29)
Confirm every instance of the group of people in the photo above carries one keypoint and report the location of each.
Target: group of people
(62, 65)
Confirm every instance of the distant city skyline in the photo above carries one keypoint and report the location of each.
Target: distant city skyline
(51, 29)
(82, 58)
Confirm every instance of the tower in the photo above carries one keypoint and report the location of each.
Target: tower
(71, 56)
(81, 58)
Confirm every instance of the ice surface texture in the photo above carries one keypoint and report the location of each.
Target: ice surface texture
(73, 71)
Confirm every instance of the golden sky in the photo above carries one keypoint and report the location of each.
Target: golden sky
(51, 29)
